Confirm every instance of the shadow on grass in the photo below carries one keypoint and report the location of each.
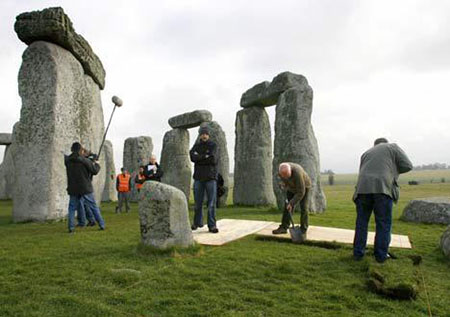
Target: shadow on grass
(151, 252)
(309, 243)
(5, 220)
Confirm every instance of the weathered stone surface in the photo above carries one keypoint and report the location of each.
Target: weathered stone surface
(253, 158)
(6, 175)
(428, 210)
(266, 94)
(109, 190)
(163, 216)
(5, 138)
(7, 168)
(54, 26)
(255, 96)
(217, 135)
(60, 105)
(190, 119)
(175, 160)
(283, 82)
(295, 142)
(136, 152)
(445, 242)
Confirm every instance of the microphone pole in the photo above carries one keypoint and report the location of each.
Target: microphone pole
(117, 103)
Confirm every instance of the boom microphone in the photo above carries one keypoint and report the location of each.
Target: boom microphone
(117, 103)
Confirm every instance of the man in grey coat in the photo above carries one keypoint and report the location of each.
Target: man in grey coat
(376, 191)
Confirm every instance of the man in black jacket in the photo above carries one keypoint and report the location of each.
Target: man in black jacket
(79, 185)
(204, 155)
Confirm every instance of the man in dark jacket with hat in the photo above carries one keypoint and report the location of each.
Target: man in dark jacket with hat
(376, 190)
(79, 185)
(205, 156)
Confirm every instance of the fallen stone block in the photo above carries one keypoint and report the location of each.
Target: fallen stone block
(428, 210)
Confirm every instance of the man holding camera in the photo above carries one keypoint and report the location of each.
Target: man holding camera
(79, 185)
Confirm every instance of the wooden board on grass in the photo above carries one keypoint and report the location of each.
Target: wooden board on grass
(229, 230)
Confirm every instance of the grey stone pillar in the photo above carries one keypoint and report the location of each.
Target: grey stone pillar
(253, 158)
(295, 141)
(136, 152)
(6, 175)
(109, 190)
(175, 160)
(60, 105)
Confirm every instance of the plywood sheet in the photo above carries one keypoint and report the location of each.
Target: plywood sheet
(229, 230)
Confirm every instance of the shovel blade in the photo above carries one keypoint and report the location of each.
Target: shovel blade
(297, 235)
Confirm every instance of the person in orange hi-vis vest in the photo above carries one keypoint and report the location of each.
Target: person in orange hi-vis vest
(123, 187)
(140, 178)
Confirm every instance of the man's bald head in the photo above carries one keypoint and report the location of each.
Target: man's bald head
(284, 170)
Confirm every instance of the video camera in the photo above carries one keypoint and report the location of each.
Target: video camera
(92, 156)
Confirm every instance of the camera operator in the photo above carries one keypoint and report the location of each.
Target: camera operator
(79, 178)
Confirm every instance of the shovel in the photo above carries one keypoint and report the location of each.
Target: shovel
(296, 233)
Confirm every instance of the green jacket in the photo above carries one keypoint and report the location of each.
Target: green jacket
(297, 183)
(379, 170)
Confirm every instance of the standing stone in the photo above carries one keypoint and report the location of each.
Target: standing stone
(175, 160)
(428, 210)
(136, 152)
(295, 142)
(445, 242)
(217, 135)
(60, 105)
(190, 119)
(163, 216)
(6, 175)
(109, 191)
(7, 166)
(252, 157)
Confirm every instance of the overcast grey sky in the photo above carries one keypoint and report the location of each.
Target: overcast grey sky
(377, 68)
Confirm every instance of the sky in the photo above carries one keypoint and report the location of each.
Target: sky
(377, 68)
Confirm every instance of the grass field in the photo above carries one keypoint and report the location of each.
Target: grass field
(44, 271)
(423, 177)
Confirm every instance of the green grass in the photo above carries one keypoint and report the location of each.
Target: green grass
(44, 271)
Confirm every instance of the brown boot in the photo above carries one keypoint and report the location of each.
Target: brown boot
(280, 230)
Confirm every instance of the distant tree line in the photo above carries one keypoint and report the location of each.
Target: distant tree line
(434, 166)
